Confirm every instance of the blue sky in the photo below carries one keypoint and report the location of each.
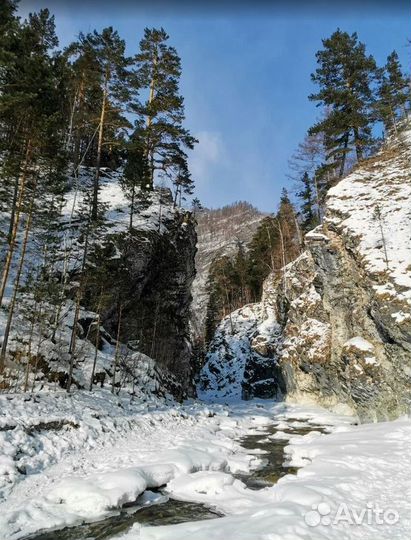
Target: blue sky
(246, 78)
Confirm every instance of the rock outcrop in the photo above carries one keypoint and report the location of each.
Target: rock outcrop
(344, 306)
(149, 271)
(240, 362)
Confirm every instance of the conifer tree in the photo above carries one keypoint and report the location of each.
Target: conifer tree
(35, 113)
(344, 76)
(40, 137)
(290, 234)
(158, 70)
(135, 172)
(109, 53)
(393, 93)
(306, 195)
(196, 206)
(83, 102)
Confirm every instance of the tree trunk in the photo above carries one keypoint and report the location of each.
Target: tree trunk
(271, 248)
(94, 207)
(299, 235)
(26, 376)
(113, 383)
(13, 210)
(72, 347)
(17, 281)
(358, 148)
(16, 223)
(41, 329)
(133, 196)
(283, 258)
(149, 143)
(96, 341)
(344, 156)
(77, 137)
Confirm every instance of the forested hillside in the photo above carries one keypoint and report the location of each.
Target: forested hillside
(93, 173)
(221, 234)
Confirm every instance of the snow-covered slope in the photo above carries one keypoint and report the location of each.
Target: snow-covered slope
(372, 208)
(151, 267)
(345, 307)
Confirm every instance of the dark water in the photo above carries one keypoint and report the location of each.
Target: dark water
(273, 468)
(165, 511)
(170, 512)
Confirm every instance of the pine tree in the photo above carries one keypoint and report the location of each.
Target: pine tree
(311, 158)
(263, 255)
(308, 211)
(196, 206)
(41, 139)
(35, 113)
(109, 53)
(393, 93)
(345, 75)
(135, 173)
(289, 229)
(158, 70)
(84, 96)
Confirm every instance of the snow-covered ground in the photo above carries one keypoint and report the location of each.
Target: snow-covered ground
(103, 451)
(372, 206)
(355, 483)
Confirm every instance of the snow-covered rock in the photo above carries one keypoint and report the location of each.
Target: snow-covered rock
(343, 308)
(346, 313)
(151, 268)
(240, 363)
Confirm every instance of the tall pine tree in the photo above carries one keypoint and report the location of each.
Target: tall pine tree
(158, 71)
(344, 76)
(393, 93)
(109, 53)
(309, 212)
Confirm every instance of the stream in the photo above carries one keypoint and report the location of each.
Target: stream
(157, 508)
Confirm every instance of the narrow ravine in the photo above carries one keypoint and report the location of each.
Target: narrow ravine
(157, 508)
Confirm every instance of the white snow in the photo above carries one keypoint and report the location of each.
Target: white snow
(346, 475)
(316, 234)
(236, 339)
(359, 343)
(352, 208)
(119, 449)
(105, 454)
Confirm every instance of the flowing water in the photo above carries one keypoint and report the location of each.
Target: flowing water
(156, 508)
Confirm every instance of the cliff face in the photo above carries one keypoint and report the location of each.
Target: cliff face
(240, 362)
(344, 306)
(219, 232)
(149, 273)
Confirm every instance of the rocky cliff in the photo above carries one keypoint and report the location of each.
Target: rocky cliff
(130, 307)
(147, 275)
(219, 231)
(343, 307)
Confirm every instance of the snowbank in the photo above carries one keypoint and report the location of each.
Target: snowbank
(350, 487)
(102, 451)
